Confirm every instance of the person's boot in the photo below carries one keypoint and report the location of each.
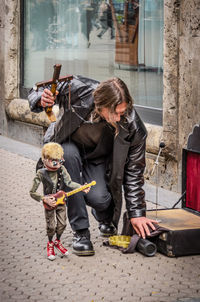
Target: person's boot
(82, 246)
(107, 229)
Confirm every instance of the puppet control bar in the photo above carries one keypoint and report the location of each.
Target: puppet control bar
(53, 82)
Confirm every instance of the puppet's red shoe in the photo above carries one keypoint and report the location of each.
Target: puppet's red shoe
(60, 248)
(50, 251)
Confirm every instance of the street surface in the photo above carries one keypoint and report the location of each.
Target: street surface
(109, 276)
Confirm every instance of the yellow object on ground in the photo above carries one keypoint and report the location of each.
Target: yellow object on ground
(122, 241)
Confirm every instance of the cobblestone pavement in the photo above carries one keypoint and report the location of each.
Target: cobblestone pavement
(26, 274)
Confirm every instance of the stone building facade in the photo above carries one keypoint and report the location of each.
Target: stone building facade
(181, 104)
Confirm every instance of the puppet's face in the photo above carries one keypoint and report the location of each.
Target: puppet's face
(53, 164)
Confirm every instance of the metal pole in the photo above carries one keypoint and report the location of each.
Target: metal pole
(162, 145)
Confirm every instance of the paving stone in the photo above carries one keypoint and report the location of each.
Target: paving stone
(26, 274)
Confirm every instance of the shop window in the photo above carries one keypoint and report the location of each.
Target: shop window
(97, 39)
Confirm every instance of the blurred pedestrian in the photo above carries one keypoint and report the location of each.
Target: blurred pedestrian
(105, 20)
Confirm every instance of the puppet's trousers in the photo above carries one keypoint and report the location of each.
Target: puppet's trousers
(55, 220)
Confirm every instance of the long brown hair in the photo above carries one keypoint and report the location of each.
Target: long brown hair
(109, 94)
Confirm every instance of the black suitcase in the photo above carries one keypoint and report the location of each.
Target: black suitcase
(183, 236)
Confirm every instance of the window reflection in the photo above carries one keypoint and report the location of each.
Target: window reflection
(98, 39)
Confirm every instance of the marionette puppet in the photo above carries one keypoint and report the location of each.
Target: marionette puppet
(54, 178)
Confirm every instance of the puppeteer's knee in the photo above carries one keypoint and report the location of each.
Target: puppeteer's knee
(99, 201)
(71, 154)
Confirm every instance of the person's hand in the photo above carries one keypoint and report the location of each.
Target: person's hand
(50, 200)
(47, 98)
(141, 225)
(87, 190)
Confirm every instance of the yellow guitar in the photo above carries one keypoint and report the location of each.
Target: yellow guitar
(61, 196)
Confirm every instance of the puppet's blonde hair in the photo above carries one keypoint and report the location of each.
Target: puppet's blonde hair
(52, 151)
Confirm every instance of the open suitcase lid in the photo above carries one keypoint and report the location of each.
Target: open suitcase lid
(191, 171)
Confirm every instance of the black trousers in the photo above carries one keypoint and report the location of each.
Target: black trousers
(99, 197)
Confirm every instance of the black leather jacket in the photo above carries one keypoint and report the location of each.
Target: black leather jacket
(128, 159)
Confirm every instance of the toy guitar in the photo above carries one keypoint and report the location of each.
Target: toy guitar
(61, 196)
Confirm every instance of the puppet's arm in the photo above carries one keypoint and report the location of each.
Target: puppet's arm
(67, 180)
(36, 183)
